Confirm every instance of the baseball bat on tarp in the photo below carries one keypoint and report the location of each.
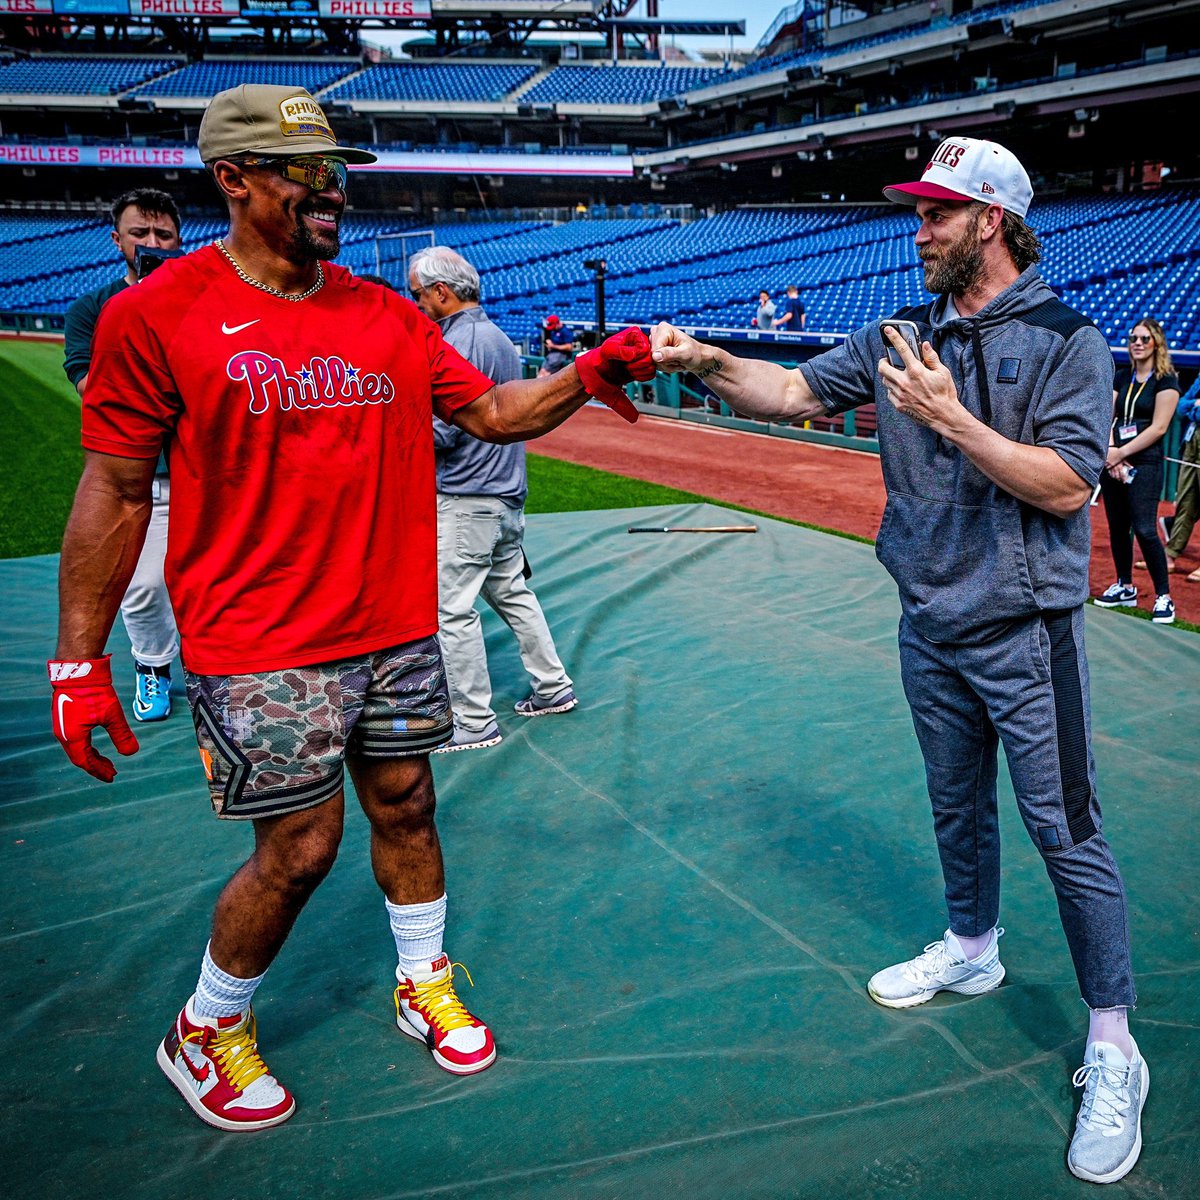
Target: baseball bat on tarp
(694, 529)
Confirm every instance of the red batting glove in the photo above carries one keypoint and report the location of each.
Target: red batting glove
(618, 360)
(83, 699)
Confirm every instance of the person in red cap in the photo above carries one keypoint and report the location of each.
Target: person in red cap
(993, 430)
(558, 345)
(299, 404)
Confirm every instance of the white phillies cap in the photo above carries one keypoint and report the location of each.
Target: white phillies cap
(964, 168)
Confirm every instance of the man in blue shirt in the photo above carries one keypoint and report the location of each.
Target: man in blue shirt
(558, 345)
(792, 319)
(481, 521)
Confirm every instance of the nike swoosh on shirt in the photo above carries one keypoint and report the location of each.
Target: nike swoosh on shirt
(238, 328)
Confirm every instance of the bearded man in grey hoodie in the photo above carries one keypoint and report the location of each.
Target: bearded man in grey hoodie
(991, 439)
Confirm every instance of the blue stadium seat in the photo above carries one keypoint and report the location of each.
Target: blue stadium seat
(91, 76)
(208, 78)
(435, 81)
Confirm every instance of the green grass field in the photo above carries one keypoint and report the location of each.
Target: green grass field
(41, 409)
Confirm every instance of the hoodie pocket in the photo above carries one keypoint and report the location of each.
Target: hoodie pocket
(960, 568)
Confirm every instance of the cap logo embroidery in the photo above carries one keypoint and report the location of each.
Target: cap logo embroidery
(987, 189)
(948, 155)
(303, 117)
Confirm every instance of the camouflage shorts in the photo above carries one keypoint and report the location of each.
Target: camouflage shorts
(275, 742)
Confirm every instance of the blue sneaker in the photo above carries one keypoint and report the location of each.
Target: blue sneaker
(1117, 595)
(472, 739)
(152, 699)
(534, 706)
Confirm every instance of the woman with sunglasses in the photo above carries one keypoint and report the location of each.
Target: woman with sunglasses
(1144, 397)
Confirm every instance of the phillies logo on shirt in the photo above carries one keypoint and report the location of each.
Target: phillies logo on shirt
(322, 383)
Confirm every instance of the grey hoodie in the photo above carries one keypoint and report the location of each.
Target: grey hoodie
(968, 557)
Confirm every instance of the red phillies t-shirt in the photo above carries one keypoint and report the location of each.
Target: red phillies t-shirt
(303, 498)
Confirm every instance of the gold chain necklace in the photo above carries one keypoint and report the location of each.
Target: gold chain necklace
(266, 287)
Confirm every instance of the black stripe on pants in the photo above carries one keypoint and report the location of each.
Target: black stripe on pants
(1071, 730)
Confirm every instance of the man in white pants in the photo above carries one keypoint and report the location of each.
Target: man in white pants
(481, 521)
(144, 217)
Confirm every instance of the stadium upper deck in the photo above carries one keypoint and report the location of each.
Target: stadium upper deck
(1091, 94)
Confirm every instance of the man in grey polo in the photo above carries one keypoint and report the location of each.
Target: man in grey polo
(481, 521)
(992, 435)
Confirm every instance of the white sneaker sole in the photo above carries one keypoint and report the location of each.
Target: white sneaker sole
(448, 749)
(1127, 1165)
(445, 1063)
(1164, 620)
(969, 987)
(545, 712)
(171, 1071)
(1114, 603)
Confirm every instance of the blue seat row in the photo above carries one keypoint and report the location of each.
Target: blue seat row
(208, 78)
(619, 85)
(90, 76)
(435, 81)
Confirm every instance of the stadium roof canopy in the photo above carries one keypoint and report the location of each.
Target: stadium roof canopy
(693, 28)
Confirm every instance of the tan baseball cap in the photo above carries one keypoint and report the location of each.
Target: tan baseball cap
(262, 118)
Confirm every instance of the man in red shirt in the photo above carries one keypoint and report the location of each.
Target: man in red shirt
(301, 563)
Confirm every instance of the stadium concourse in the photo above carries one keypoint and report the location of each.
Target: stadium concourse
(819, 485)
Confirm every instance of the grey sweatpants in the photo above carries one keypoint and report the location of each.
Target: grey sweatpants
(1028, 688)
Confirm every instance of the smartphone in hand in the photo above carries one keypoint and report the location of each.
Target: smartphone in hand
(909, 332)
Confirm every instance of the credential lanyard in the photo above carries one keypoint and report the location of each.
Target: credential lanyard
(1131, 404)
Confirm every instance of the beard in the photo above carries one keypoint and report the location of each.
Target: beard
(307, 245)
(957, 268)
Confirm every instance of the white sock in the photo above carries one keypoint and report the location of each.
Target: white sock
(1111, 1025)
(418, 930)
(219, 994)
(970, 947)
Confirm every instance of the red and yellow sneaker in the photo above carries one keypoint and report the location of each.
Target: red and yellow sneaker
(215, 1065)
(428, 1009)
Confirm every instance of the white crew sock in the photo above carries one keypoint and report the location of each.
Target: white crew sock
(1111, 1025)
(418, 930)
(219, 994)
(970, 947)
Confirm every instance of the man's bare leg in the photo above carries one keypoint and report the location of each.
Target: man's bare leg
(397, 796)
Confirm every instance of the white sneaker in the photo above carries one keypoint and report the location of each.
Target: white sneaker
(1108, 1129)
(1164, 611)
(937, 969)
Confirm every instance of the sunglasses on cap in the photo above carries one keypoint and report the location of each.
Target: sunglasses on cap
(313, 170)
(1141, 337)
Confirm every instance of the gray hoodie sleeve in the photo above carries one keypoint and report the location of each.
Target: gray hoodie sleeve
(844, 377)
(1073, 412)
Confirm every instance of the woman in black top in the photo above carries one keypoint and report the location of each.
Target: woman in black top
(1144, 397)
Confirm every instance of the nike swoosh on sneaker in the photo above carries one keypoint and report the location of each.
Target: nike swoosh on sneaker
(238, 328)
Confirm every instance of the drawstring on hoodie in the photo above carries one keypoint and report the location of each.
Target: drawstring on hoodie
(938, 337)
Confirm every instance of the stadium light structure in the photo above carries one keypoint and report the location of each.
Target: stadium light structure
(599, 267)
